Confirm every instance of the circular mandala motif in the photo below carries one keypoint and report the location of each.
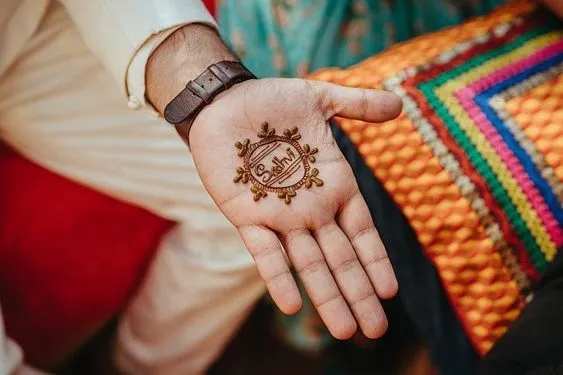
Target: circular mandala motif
(277, 164)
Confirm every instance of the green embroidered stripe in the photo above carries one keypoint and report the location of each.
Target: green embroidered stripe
(474, 156)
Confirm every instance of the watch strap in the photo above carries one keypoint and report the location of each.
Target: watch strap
(184, 108)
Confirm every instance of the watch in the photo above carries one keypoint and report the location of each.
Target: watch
(184, 108)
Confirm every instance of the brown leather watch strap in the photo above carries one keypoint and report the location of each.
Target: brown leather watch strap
(183, 109)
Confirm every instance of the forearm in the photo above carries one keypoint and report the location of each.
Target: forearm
(180, 58)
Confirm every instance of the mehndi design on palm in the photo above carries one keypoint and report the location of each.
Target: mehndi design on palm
(277, 164)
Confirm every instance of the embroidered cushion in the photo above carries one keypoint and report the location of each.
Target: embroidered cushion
(476, 159)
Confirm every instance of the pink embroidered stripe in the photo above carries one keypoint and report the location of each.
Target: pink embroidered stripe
(465, 97)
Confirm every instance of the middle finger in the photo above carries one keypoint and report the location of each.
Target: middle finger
(352, 279)
(310, 265)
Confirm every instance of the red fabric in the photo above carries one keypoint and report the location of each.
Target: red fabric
(210, 4)
(70, 257)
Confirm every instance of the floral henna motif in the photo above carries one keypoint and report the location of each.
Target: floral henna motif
(241, 176)
(277, 163)
(309, 153)
(242, 147)
(286, 196)
(258, 193)
(313, 179)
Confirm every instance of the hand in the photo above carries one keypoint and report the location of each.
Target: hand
(326, 231)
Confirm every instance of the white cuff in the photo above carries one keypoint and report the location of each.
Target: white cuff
(136, 73)
(10, 354)
(135, 81)
(123, 33)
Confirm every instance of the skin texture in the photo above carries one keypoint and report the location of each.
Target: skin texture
(556, 6)
(327, 233)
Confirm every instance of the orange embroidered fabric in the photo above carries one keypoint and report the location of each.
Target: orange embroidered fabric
(475, 161)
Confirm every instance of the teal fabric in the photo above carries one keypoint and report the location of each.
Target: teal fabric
(290, 38)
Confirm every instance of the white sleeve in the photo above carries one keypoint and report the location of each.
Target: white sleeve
(10, 354)
(123, 33)
(135, 77)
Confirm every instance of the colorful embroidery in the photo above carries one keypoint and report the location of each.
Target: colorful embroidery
(469, 161)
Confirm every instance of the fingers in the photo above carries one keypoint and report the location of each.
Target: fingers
(352, 280)
(360, 104)
(355, 220)
(313, 271)
(268, 254)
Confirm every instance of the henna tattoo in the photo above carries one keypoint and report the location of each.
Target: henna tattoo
(277, 164)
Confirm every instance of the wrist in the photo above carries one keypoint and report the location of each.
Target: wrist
(199, 93)
(180, 58)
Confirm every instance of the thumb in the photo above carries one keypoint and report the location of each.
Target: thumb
(356, 103)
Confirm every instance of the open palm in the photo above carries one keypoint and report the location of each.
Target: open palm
(325, 229)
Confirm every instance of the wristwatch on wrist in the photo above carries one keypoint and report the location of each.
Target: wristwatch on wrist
(183, 109)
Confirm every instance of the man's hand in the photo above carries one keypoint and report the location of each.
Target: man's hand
(326, 232)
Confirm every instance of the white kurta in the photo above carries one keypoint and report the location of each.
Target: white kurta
(67, 71)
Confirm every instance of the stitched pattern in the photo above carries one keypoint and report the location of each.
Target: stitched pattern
(543, 126)
(476, 159)
(498, 104)
(476, 144)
